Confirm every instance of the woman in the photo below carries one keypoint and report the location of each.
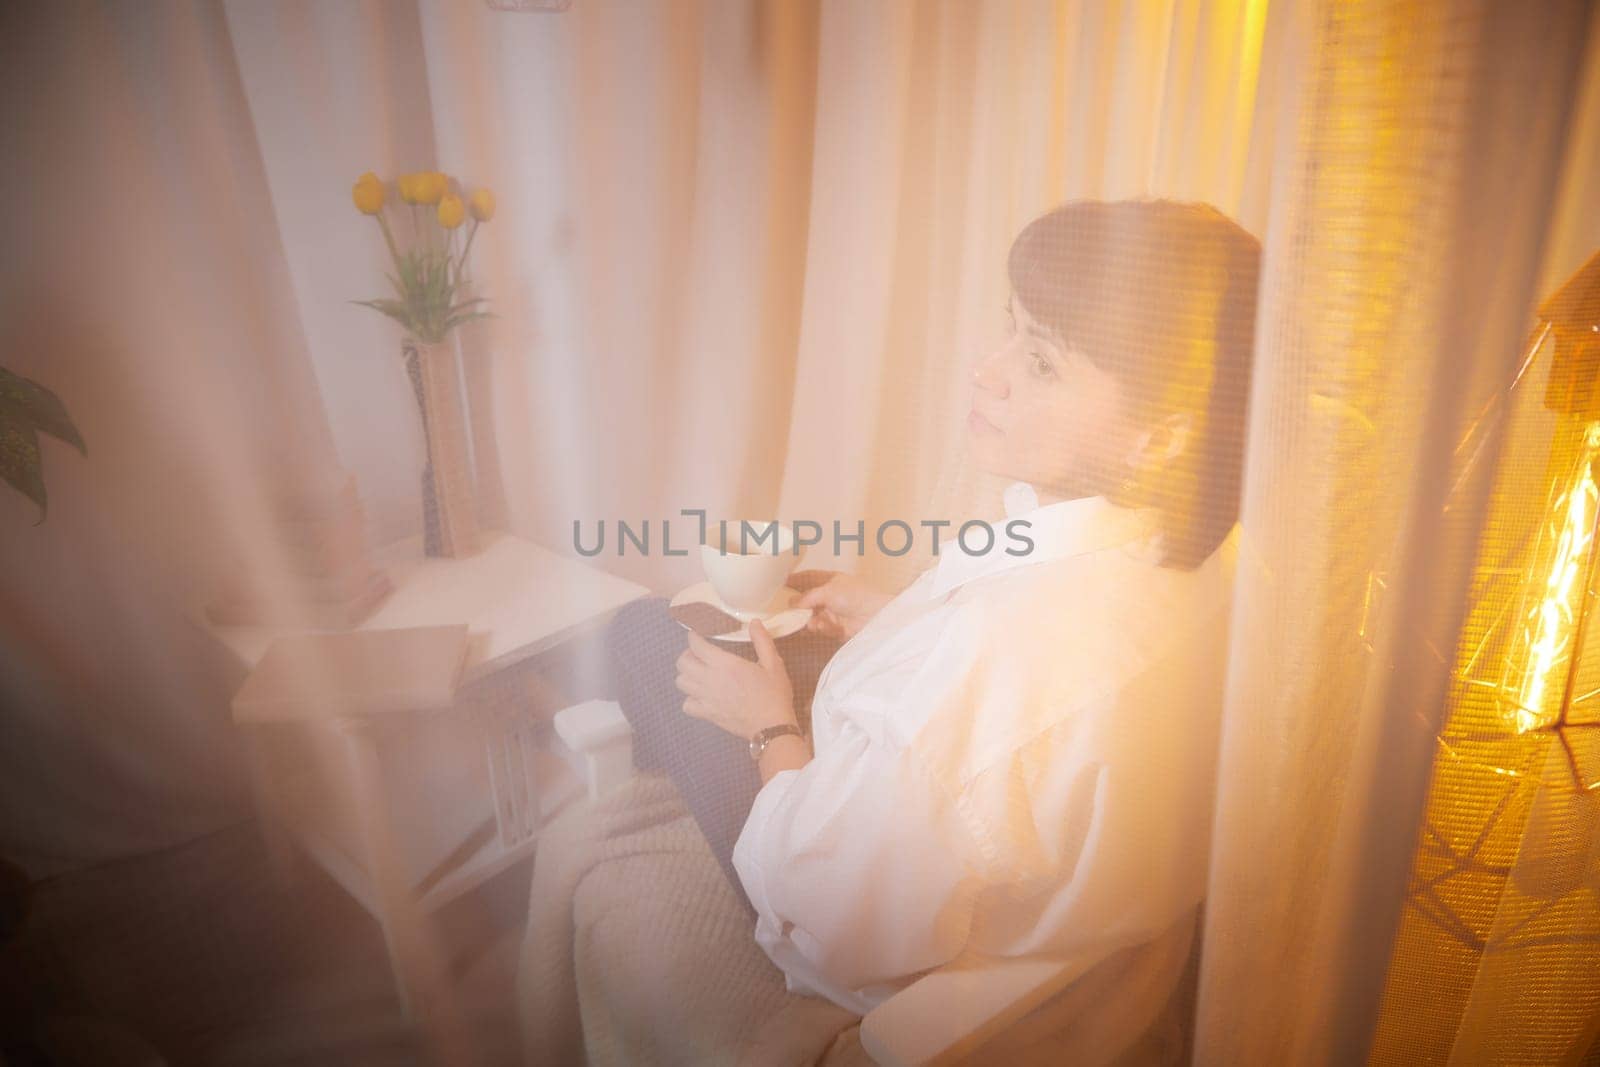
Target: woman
(1014, 756)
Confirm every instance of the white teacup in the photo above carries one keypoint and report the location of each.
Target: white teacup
(748, 581)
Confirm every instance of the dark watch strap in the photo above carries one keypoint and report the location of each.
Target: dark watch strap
(758, 743)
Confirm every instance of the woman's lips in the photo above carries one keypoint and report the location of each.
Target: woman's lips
(978, 424)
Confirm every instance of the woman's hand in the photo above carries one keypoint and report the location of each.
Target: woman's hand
(729, 691)
(841, 604)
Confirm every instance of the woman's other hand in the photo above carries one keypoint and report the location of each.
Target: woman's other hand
(841, 604)
(729, 691)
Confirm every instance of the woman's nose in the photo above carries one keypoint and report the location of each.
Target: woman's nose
(988, 374)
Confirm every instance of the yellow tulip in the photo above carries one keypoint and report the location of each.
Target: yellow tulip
(451, 211)
(368, 194)
(482, 205)
(431, 187)
(411, 187)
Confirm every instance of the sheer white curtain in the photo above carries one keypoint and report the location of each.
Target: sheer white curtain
(941, 130)
(651, 168)
(145, 284)
(746, 250)
(1411, 220)
(743, 255)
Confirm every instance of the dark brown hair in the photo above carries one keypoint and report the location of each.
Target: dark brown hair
(1162, 295)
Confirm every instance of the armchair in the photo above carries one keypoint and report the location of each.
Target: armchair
(944, 1017)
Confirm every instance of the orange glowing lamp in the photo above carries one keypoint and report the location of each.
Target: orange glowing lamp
(1559, 590)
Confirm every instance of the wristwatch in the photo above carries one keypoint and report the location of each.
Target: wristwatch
(758, 743)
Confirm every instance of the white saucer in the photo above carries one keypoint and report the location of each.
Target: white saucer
(780, 618)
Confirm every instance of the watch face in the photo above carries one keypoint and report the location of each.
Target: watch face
(758, 743)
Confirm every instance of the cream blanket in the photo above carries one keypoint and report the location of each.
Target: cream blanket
(638, 951)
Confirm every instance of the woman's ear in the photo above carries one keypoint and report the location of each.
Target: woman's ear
(1163, 442)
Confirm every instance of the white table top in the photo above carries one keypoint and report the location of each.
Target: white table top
(516, 598)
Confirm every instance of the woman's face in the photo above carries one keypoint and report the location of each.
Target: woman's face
(1046, 415)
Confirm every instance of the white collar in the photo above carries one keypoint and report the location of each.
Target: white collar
(1065, 528)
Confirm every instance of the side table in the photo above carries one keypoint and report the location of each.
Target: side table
(395, 808)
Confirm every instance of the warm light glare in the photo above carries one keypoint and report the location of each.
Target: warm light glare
(1554, 618)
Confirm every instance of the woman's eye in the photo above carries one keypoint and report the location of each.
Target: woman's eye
(1041, 366)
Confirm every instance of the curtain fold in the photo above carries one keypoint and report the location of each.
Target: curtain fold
(1409, 218)
(148, 288)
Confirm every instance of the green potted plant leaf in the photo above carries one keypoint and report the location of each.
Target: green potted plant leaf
(28, 409)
